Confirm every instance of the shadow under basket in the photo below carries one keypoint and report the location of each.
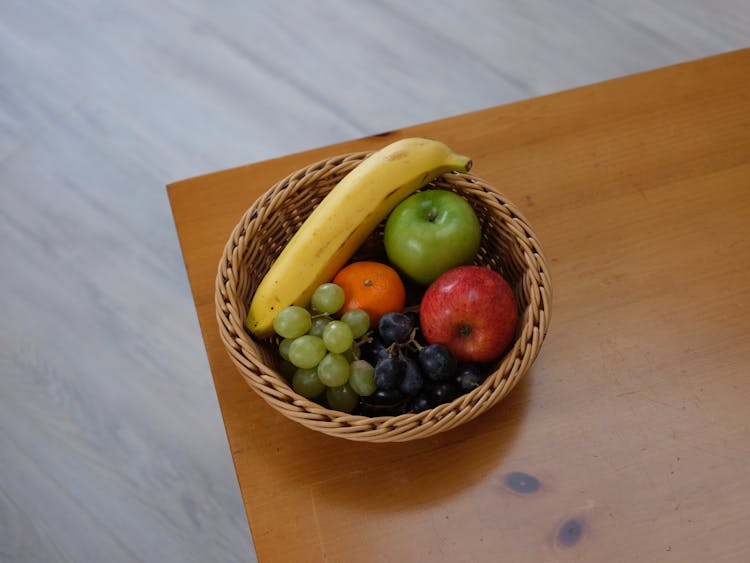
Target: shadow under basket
(508, 247)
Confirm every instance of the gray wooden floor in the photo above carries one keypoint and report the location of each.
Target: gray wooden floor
(111, 443)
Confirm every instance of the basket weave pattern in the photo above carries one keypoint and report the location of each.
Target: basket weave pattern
(508, 246)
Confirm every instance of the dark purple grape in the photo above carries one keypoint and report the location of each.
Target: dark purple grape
(383, 398)
(384, 410)
(413, 380)
(394, 328)
(418, 336)
(373, 351)
(437, 362)
(413, 317)
(443, 392)
(469, 377)
(421, 402)
(388, 372)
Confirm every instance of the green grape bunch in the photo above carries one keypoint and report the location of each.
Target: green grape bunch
(320, 352)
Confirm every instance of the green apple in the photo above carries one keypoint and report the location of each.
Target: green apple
(431, 232)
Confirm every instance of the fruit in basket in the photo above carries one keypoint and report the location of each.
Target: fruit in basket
(338, 337)
(318, 325)
(443, 392)
(307, 351)
(431, 232)
(469, 377)
(327, 298)
(386, 372)
(362, 378)
(324, 364)
(292, 322)
(413, 380)
(383, 402)
(395, 328)
(373, 350)
(471, 310)
(342, 398)
(343, 220)
(437, 362)
(334, 370)
(358, 321)
(307, 383)
(373, 287)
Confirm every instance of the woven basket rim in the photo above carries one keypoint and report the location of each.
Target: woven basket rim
(271, 386)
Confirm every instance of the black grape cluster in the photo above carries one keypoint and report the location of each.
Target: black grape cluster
(410, 374)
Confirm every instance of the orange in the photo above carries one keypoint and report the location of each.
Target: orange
(377, 288)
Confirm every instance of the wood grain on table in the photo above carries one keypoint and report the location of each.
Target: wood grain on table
(629, 437)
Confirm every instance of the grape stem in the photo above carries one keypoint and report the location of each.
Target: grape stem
(399, 346)
(319, 316)
(364, 339)
(413, 340)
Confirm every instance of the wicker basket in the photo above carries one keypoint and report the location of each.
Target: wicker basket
(508, 246)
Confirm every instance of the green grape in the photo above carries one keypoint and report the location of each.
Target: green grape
(292, 321)
(349, 355)
(318, 325)
(287, 369)
(362, 378)
(328, 298)
(306, 383)
(284, 347)
(358, 320)
(307, 351)
(337, 336)
(334, 370)
(342, 398)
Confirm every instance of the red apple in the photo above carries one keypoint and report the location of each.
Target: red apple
(471, 310)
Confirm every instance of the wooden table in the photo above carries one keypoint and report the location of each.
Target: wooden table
(629, 439)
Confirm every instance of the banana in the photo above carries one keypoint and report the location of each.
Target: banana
(342, 221)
